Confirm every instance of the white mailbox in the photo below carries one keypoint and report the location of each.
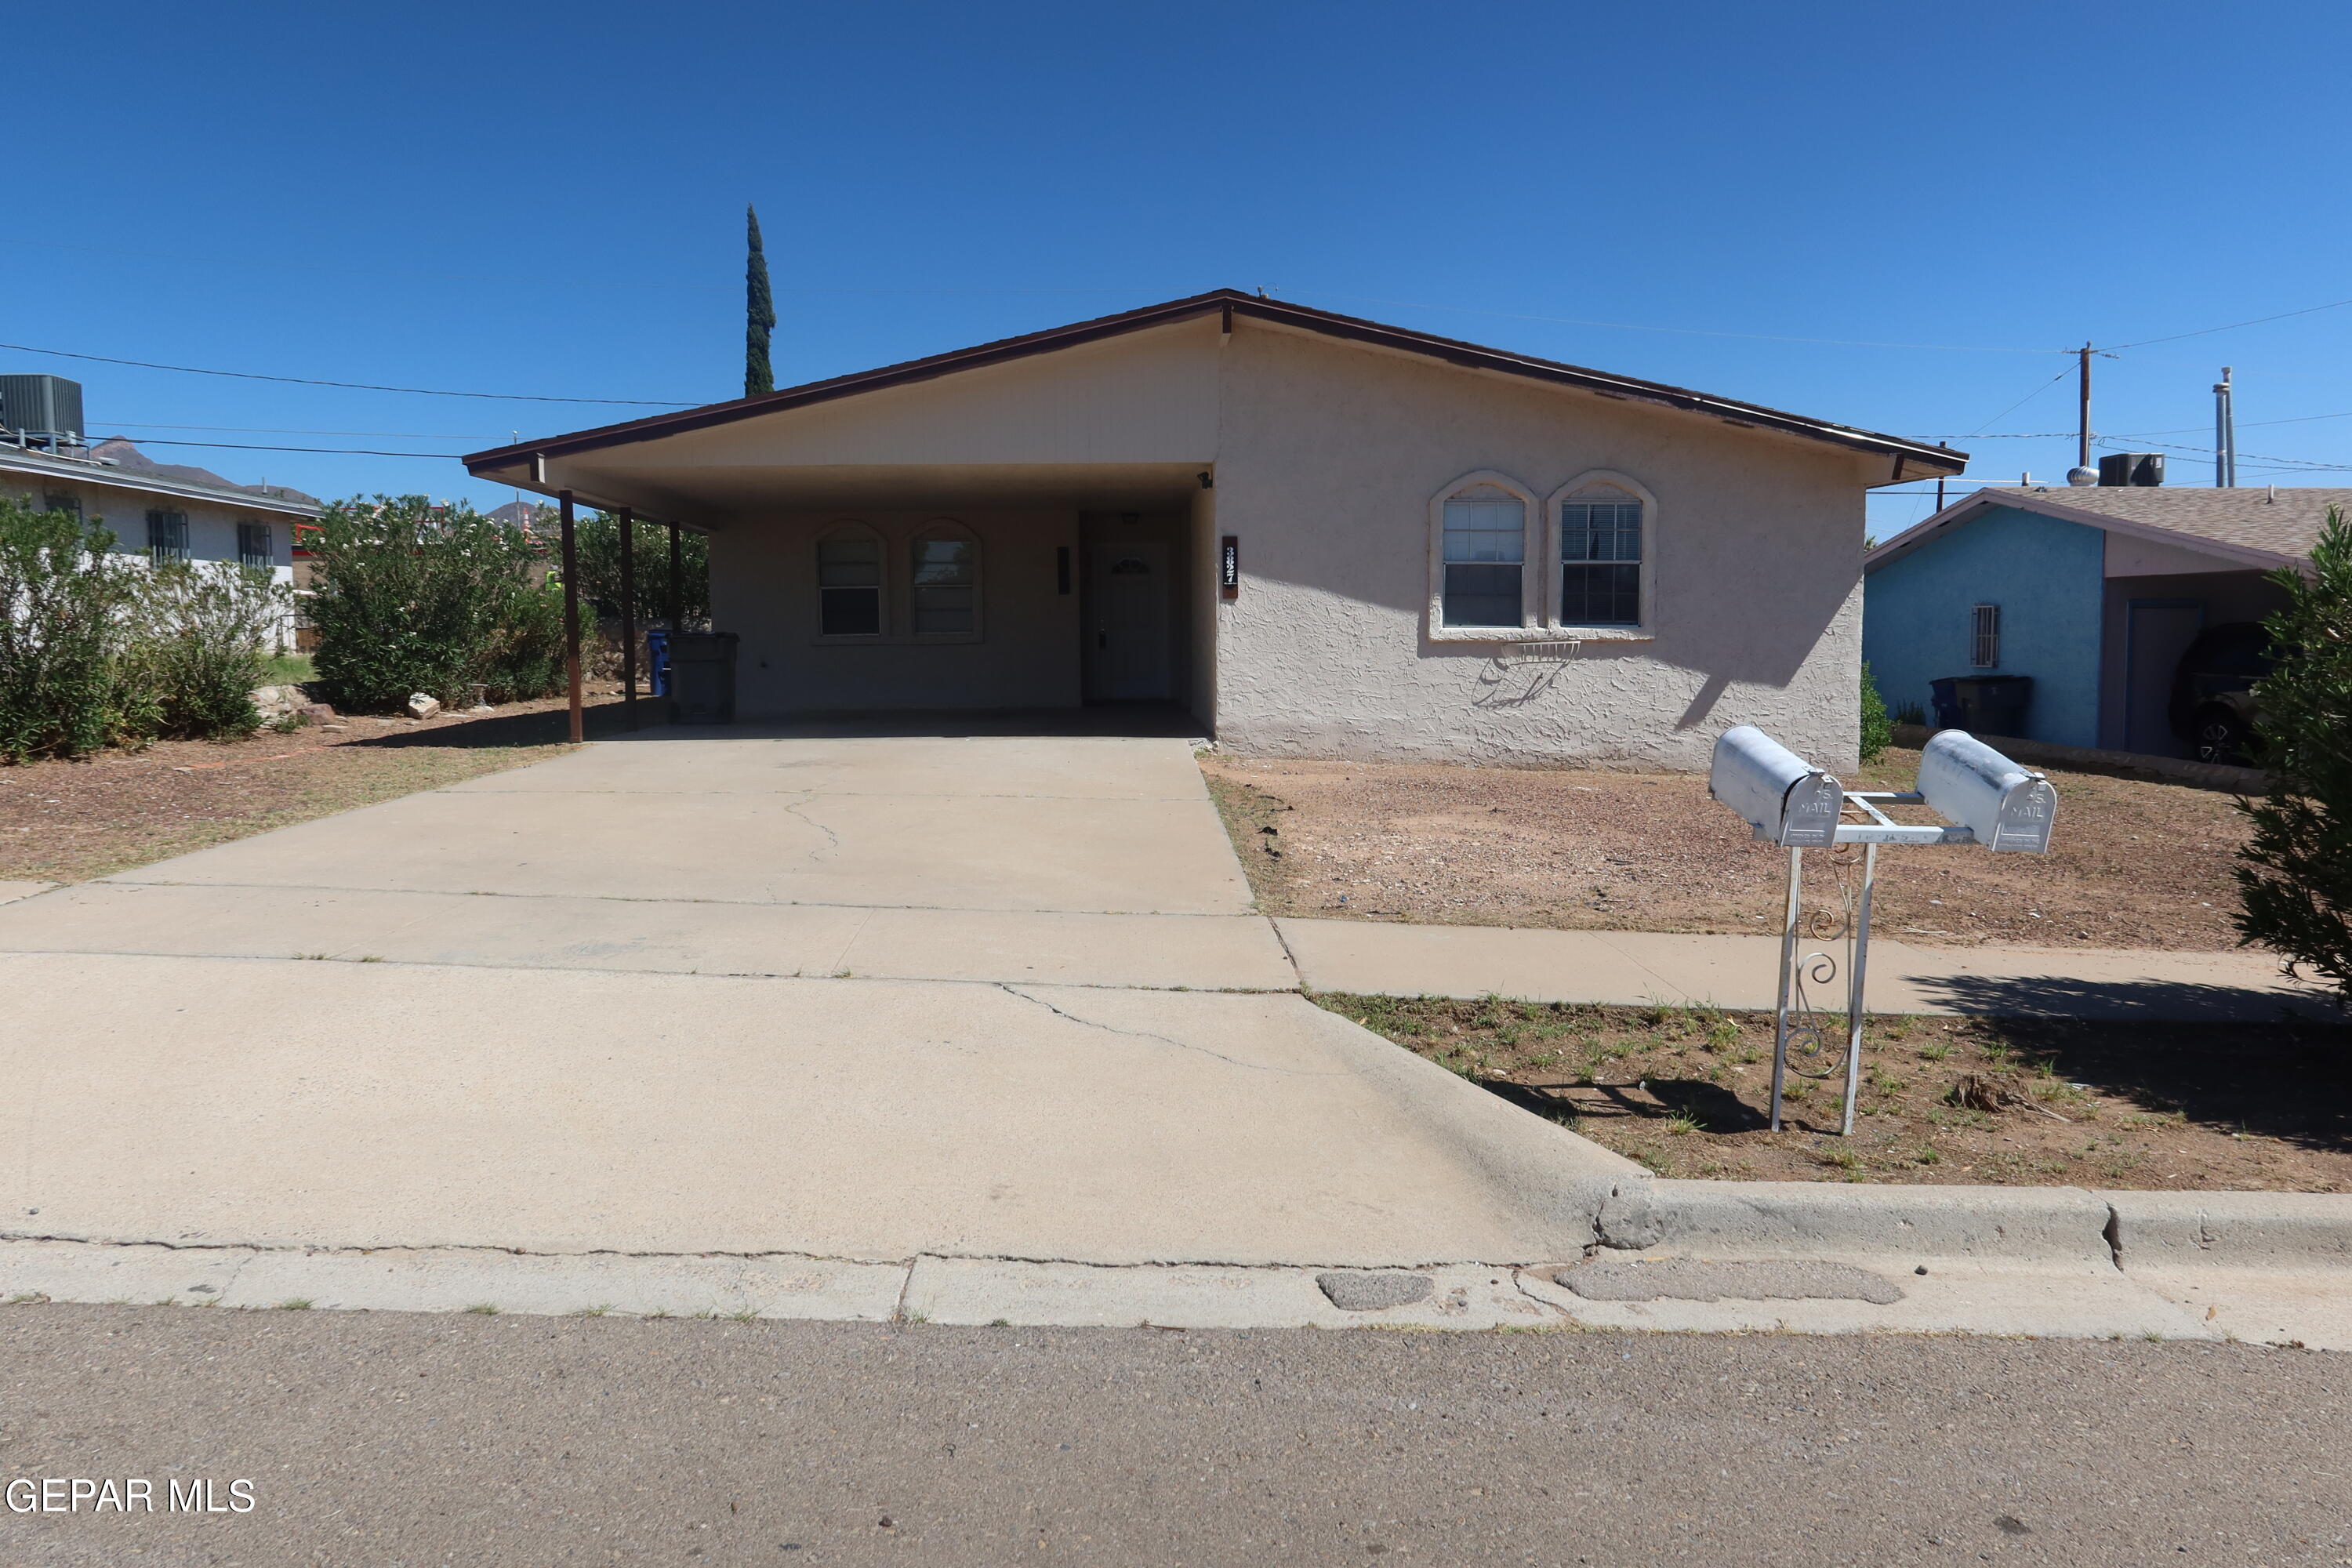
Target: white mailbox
(2005, 806)
(1787, 800)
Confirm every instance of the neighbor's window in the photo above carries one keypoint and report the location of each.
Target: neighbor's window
(65, 504)
(1984, 636)
(849, 586)
(1485, 551)
(254, 546)
(945, 585)
(1600, 562)
(167, 536)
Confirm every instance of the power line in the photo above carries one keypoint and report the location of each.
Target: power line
(2234, 326)
(274, 430)
(1687, 332)
(338, 451)
(347, 385)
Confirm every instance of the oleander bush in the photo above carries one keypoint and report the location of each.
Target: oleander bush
(412, 598)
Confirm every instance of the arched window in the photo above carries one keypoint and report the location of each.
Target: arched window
(1601, 540)
(943, 582)
(1481, 552)
(849, 583)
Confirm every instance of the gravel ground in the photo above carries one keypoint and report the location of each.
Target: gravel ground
(1944, 1101)
(388, 1438)
(2138, 863)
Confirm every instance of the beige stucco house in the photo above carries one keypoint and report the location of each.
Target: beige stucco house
(1319, 535)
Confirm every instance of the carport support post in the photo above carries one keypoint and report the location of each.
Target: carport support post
(571, 614)
(629, 616)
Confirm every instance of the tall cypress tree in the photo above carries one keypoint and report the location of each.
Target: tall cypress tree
(758, 312)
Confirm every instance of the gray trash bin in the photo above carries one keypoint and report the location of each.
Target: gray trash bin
(702, 677)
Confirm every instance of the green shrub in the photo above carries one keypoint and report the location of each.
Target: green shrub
(201, 640)
(1878, 730)
(2295, 870)
(66, 604)
(413, 598)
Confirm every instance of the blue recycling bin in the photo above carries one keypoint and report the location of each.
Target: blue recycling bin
(657, 659)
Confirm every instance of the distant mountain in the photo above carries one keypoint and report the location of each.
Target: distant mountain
(125, 456)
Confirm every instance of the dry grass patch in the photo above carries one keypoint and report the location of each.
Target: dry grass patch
(2139, 863)
(2005, 1102)
(69, 822)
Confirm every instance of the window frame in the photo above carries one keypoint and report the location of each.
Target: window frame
(268, 559)
(946, 527)
(881, 586)
(184, 549)
(1530, 556)
(1984, 636)
(1554, 605)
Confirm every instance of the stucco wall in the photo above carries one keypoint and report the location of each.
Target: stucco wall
(763, 586)
(212, 527)
(1328, 459)
(2046, 575)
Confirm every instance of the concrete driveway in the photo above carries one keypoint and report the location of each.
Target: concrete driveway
(847, 997)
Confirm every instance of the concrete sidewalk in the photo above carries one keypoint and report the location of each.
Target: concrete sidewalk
(1741, 972)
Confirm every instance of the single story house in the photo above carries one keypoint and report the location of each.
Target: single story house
(159, 512)
(1320, 536)
(2096, 592)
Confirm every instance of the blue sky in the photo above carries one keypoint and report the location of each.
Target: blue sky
(549, 199)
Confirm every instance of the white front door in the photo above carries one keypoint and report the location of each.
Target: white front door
(1131, 622)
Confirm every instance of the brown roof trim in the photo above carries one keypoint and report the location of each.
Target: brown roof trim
(1229, 303)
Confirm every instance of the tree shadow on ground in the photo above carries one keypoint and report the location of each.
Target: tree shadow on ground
(551, 728)
(2123, 1001)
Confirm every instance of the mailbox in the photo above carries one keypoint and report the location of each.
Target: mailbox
(1784, 798)
(2006, 806)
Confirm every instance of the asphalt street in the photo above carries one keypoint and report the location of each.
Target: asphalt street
(390, 1438)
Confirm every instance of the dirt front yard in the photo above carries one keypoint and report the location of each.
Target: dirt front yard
(2005, 1102)
(67, 822)
(2138, 863)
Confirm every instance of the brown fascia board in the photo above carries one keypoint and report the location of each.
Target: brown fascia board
(1969, 506)
(1927, 461)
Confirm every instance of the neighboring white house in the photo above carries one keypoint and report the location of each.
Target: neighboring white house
(1320, 535)
(160, 516)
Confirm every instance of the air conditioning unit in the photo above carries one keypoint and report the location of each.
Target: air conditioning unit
(43, 408)
(2120, 469)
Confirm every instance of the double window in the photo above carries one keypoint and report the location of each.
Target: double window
(856, 586)
(167, 536)
(1577, 564)
(254, 545)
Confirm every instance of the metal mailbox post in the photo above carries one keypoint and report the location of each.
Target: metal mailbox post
(1984, 797)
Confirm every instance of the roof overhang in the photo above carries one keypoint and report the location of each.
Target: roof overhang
(15, 460)
(524, 464)
(1970, 507)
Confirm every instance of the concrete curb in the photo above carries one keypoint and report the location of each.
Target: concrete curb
(1809, 1218)
(2244, 1230)
(2017, 1225)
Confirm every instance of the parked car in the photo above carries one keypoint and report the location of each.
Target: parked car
(2214, 709)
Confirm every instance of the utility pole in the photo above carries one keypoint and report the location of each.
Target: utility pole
(2083, 421)
(2225, 434)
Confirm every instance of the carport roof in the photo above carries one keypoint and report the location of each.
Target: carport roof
(1910, 459)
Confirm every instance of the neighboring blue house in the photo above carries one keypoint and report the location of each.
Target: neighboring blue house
(2096, 592)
